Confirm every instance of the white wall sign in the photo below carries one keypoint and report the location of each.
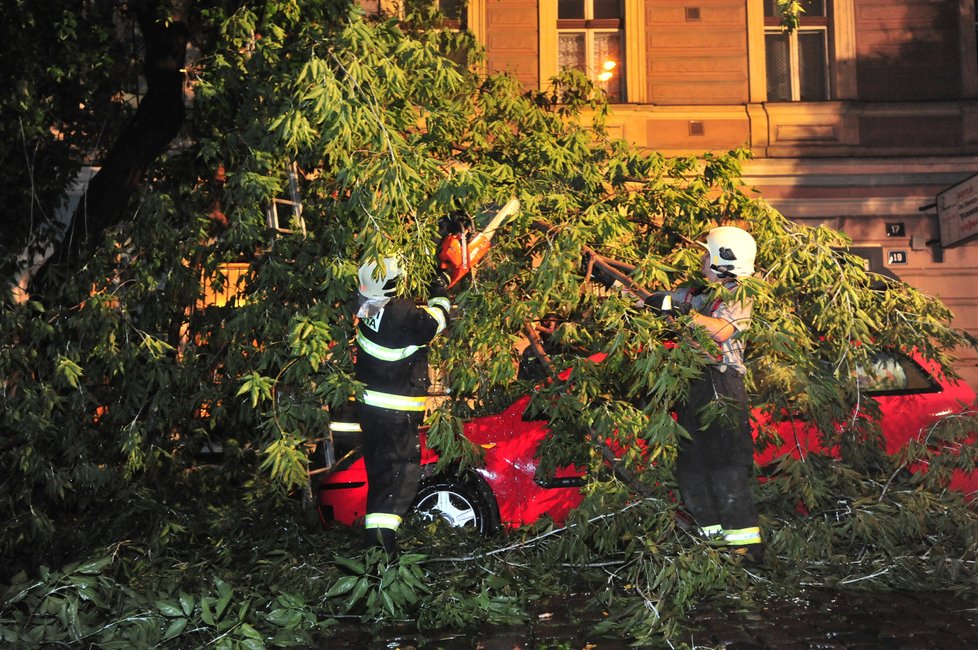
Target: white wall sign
(957, 212)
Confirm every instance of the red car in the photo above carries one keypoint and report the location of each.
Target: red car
(504, 491)
(912, 396)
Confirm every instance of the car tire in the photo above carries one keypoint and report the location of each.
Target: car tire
(460, 502)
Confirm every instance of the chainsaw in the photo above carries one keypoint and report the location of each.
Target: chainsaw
(458, 254)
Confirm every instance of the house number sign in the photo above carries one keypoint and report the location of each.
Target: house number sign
(896, 257)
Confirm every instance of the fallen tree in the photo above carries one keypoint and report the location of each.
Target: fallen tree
(108, 409)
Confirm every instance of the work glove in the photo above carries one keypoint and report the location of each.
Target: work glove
(441, 279)
(680, 308)
(662, 304)
(439, 283)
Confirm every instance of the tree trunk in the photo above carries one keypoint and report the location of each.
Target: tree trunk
(156, 122)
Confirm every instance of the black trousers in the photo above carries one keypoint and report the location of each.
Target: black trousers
(392, 456)
(714, 466)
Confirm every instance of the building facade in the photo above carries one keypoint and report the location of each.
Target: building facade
(858, 118)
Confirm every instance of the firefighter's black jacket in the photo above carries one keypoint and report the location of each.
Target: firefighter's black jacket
(392, 354)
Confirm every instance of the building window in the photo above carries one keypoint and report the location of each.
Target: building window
(590, 38)
(454, 11)
(797, 62)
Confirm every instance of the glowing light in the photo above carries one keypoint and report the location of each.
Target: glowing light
(607, 70)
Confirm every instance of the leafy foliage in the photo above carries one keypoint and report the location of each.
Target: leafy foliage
(790, 12)
(114, 389)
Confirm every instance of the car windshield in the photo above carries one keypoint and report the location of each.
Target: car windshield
(890, 373)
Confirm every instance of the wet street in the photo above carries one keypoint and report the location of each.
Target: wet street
(847, 620)
(822, 620)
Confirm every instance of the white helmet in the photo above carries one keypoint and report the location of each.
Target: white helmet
(384, 284)
(732, 251)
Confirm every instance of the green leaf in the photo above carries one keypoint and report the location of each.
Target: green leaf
(361, 588)
(186, 603)
(342, 586)
(168, 609)
(206, 613)
(354, 566)
(250, 633)
(287, 618)
(68, 371)
(224, 598)
(175, 628)
(93, 567)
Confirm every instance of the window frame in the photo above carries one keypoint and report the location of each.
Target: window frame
(634, 56)
(590, 27)
(821, 25)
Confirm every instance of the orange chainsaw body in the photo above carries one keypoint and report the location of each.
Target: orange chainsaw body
(458, 254)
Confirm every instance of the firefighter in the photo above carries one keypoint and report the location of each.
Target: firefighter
(392, 363)
(714, 464)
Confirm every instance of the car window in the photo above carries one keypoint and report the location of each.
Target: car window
(892, 373)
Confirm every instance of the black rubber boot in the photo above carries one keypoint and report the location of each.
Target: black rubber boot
(752, 554)
(384, 538)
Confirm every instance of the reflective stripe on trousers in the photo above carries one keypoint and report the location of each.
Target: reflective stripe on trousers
(394, 402)
(742, 536)
(712, 532)
(381, 520)
(738, 537)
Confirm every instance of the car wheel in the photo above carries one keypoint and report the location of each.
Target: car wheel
(463, 503)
